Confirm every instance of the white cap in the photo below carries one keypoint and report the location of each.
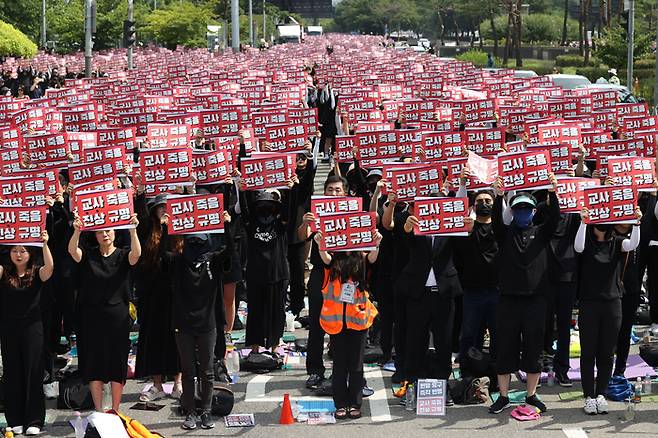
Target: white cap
(613, 71)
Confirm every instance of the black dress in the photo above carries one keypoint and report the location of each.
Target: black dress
(103, 306)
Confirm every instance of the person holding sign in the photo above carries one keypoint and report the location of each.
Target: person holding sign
(103, 304)
(346, 315)
(523, 288)
(21, 334)
(601, 290)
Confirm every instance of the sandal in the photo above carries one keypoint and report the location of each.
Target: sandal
(354, 413)
(341, 414)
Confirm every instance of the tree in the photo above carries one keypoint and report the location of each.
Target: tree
(181, 23)
(611, 47)
(23, 15)
(13, 42)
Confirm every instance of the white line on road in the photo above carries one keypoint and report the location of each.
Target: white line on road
(379, 410)
(256, 392)
(575, 433)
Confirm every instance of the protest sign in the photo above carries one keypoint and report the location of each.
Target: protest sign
(26, 192)
(636, 172)
(441, 216)
(22, 225)
(345, 148)
(431, 397)
(416, 181)
(485, 141)
(570, 193)
(47, 148)
(165, 135)
(105, 210)
(327, 205)
(560, 153)
(375, 147)
(166, 166)
(348, 231)
(482, 169)
(286, 138)
(267, 170)
(610, 204)
(525, 170)
(196, 214)
(211, 167)
(442, 146)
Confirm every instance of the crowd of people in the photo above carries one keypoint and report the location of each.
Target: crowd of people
(508, 288)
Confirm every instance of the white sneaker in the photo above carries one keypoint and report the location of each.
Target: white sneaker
(51, 390)
(602, 405)
(654, 329)
(18, 430)
(152, 395)
(176, 393)
(590, 406)
(32, 431)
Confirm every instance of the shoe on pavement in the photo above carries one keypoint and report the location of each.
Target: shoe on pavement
(176, 393)
(367, 391)
(18, 430)
(190, 422)
(602, 405)
(449, 400)
(314, 381)
(499, 405)
(152, 395)
(654, 329)
(206, 421)
(32, 431)
(590, 406)
(534, 401)
(563, 379)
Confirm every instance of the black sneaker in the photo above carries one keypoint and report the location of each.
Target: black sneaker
(563, 380)
(534, 401)
(190, 422)
(206, 421)
(314, 381)
(449, 400)
(499, 405)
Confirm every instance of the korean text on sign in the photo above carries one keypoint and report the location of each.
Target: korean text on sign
(105, 210)
(196, 214)
(441, 216)
(525, 170)
(348, 232)
(22, 225)
(610, 204)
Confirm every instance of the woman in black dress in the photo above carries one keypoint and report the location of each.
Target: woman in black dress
(103, 307)
(21, 334)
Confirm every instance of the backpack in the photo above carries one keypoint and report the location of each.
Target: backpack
(222, 401)
(261, 362)
(619, 389)
(649, 354)
(471, 391)
(74, 393)
(135, 429)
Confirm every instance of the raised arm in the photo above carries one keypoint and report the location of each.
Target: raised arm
(388, 218)
(135, 246)
(324, 255)
(46, 271)
(372, 255)
(579, 243)
(628, 245)
(74, 243)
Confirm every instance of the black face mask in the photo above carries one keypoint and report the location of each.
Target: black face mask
(483, 210)
(372, 187)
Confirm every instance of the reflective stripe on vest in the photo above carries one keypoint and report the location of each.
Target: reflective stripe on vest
(357, 316)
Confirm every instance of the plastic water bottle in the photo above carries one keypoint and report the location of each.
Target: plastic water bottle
(78, 426)
(74, 345)
(410, 398)
(9, 433)
(551, 376)
(638, 390)
(629, 412)
(233, 364)
(646, 384)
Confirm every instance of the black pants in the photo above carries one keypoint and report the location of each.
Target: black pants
(220, 321)
(629, 304)
(599, 323)
(315, 342)
(652, 281)
(520, 323)
(386, 314)
(400, 332)
(434, 313)
(558, 316)
(191, 349)
(348, 347)
(22, 360)
(478, 313)
(296, 259)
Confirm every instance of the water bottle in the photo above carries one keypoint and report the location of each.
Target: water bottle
(551, 376)
(629, 412)
(290, 322)
(410, 398)
(638, 390)
(74, 345)
(233, 364)
(646, 384)
(78, 426)
(9, 433)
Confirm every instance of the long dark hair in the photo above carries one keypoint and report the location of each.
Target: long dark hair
(11, 277)
(347, 265)
(151, 253)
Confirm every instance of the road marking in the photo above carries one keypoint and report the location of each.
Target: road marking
(575, 433)
(379, 410)
(256, 392)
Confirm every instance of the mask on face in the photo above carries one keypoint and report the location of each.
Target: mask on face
(483, 210)
(522, 217)
(265, 213)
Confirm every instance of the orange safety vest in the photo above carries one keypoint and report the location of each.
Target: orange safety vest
(358, 316)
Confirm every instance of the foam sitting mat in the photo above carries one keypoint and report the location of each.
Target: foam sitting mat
(571, 396)
(515, 397)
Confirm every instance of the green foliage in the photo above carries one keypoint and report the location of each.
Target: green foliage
(611, 47)
(375, 15)
(477, 57)
(65, 22)
(574, 61)
(539, 66)
(13, 42)
(181, 23)
(535, 28)
(24, 15)
(649, 63)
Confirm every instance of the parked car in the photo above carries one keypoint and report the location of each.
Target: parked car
(569, 82)
(624, 93)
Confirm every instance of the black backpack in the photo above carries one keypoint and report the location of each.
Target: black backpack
(649, 353)
(74, 393)
(470, 391)
(261, 362)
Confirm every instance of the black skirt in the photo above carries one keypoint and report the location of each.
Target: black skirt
(266, 315)
(104, 342)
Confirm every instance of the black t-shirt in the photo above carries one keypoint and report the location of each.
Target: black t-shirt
(267, 251)
(475, 258)
(401, 249)
(104, 280)
(601, 265)
(21, 302)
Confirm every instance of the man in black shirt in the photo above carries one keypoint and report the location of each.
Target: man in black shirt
(523, 266)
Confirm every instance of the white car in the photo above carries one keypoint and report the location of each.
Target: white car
(569, 82)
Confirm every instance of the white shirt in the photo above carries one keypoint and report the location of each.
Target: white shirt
(431, 278)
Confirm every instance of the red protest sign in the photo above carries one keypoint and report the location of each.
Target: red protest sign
(410, 141)
(211, 167)
(106, 210)
(196, 214)
(561, 133)
(560, 154)
(164, 135)
(46, 148)
(375, 147)
(348, 231)
(455, 167)
(24, 192)
(345, 148)
(327, 205)
(636, 172)
(267, 170)
(441, 216)
(416, 181)
(286, 138)
(570, 193)
(79, 142)
(125, 137)
(525, 170)
(166, 167)
(485, 141)
(443, 146)
(85, 173)
(22, 225)
(610, 204)
(307, 117)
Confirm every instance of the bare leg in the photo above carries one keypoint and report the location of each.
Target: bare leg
(96, 389)
(255, 348)
(157, 382)
(178, 382)
(229, 306)
(503, 383)
(531, 383)
(117, 392)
